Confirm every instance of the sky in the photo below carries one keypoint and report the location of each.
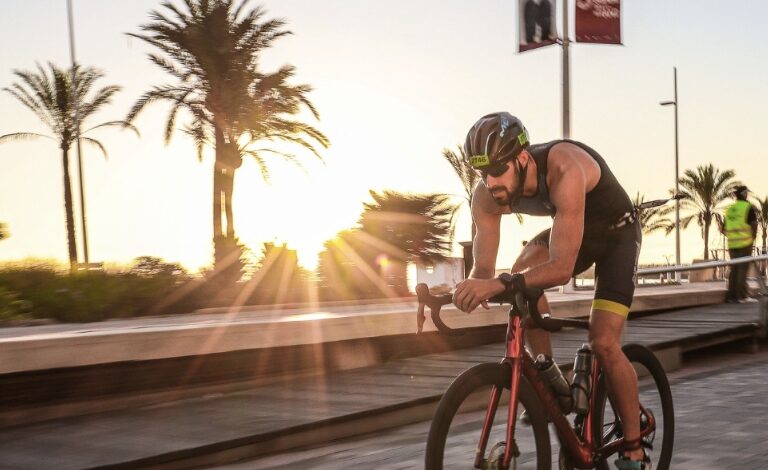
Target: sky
(395, 83)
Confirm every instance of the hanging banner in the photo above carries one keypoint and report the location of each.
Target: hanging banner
(598, 21)
(537, 24)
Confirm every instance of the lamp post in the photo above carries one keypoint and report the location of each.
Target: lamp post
(77, 130)
(677, 177)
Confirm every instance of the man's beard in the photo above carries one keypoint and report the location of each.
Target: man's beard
(501, 195)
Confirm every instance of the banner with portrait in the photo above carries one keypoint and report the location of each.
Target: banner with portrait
(536, 24)
(598, 21)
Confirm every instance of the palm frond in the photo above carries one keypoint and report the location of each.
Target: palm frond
(97, 144)
(121, 124)
(262, 164)
(22, 136)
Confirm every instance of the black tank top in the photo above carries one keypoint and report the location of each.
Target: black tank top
(604, 205)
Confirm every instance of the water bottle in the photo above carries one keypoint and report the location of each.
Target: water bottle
(581, 388)
(551, 373)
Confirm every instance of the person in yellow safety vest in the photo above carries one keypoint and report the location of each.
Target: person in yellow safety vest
(740, 227)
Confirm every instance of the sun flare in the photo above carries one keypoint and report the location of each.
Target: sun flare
(301, 210)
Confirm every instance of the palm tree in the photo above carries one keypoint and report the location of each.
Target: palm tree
(212, 49)
(465, 172)
(653, 219)
(762, 219)
(467, 176)
(370, 261)
(50, 96)
(416, 225)
(703, 191)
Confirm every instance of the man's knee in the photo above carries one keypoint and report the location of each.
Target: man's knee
(605, 347)
(605, 333)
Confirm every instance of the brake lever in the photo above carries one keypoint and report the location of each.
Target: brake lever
(434, 303)
(420, 318)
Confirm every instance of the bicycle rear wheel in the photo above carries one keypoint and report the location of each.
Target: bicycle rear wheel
(458, 421)
(655, 398)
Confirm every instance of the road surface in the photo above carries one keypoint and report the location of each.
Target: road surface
(721, 403)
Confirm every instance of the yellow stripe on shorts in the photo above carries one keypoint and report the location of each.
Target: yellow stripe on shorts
(610, 306)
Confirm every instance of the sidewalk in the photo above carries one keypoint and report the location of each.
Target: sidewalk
(304, 410)
(150, 338)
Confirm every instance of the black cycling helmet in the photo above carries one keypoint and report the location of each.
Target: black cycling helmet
(494, 139)
(741, 191)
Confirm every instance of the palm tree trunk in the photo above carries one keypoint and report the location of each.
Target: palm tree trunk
(217, 184)
(70, 218)
(706, 240)
(228, 186)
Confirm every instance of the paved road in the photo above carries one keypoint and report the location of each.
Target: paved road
(720, 402)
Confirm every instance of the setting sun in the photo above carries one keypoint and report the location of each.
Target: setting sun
(297, 208)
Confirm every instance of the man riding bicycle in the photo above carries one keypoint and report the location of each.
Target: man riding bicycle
(593, 223)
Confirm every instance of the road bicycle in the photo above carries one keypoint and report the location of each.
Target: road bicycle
(469, 431)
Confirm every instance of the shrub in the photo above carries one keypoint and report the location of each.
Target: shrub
(95, 295)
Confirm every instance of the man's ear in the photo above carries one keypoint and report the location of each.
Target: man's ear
(523, 157)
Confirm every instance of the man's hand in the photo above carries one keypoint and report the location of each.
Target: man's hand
(473, 292)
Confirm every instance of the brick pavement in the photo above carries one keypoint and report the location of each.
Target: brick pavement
(720, 421)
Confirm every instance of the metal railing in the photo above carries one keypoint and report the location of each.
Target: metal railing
(704, 265)
(754, 260)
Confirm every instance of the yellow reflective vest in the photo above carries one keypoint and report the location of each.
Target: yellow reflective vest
(738, 231)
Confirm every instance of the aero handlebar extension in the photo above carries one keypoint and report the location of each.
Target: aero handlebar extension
(525, 303)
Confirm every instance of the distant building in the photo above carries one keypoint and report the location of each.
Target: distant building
(440, 277)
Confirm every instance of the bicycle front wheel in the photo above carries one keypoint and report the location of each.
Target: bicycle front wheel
(457, 425)
(655, 398)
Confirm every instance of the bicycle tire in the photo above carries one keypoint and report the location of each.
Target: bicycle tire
(473, 380)
(641, 355)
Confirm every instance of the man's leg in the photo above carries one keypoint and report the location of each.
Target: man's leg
(741, 278)
(605, 337)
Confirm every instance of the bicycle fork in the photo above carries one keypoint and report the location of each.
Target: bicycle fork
(513, 357)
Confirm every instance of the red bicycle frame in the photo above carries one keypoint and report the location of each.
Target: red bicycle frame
(582, 450)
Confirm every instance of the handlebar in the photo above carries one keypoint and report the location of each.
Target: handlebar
(524, 302)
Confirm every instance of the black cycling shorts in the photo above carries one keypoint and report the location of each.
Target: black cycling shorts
(615, 256)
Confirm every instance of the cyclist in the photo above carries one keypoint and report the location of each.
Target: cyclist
(594, 222)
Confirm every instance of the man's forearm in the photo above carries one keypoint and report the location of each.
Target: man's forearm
(549, 274)
(481, 273)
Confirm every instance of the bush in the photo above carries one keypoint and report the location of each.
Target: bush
(96, 295)
(12, 307)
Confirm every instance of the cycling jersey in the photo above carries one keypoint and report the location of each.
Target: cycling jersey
(604, 205)
(613, 251)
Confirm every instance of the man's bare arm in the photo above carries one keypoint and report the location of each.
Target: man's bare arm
(568, 193)
(485, 246)
(481, 285)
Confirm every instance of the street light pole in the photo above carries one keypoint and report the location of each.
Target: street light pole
(76, 107)
(677, 176)
(566, 76)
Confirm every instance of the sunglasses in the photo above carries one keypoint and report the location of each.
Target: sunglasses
(496, 169)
